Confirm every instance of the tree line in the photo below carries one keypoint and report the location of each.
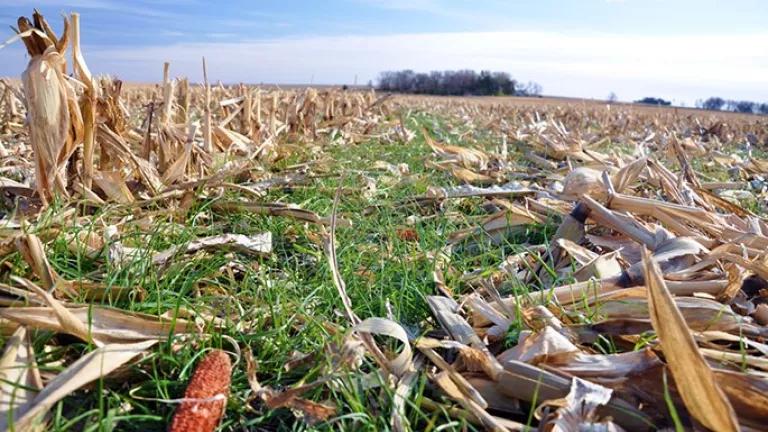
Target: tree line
(654, 101)
(456, 83)
(720, 104)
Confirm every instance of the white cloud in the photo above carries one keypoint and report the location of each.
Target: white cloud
(590, 65)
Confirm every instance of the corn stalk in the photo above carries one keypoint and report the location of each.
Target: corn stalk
(87, 102)
(55, 122)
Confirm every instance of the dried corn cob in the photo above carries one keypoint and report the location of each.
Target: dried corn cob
(206, 395)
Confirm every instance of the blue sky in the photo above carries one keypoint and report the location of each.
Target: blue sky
(681, 50)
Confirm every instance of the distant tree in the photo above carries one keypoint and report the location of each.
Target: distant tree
(713, 104)
(612, 97)
(654, 101)
(387, 81)
(504, 83)
(762, 108)
(463, 82)
(530, 89)
(746, 107)
(420, 83)
(484, 84)
(437, 81)
(404, 80)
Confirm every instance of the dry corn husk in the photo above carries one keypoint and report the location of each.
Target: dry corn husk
(584, 181)
(49, 120)
(55, 121)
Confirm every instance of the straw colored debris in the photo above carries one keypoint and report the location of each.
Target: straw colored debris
(392, 262)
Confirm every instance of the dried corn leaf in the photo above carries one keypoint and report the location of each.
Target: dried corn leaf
(94, 365)
(260, 244)
(113, 185)
(19, 374)
(99, 323)
(697, 384)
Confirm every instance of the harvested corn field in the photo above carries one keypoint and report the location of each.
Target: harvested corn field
(228, 257)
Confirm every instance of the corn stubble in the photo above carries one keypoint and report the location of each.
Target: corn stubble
(656, 268)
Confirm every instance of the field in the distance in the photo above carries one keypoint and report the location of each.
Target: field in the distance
(575, 103)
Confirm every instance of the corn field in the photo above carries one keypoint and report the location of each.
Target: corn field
(236, 257)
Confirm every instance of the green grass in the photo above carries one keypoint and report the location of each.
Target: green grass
(277, 305)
